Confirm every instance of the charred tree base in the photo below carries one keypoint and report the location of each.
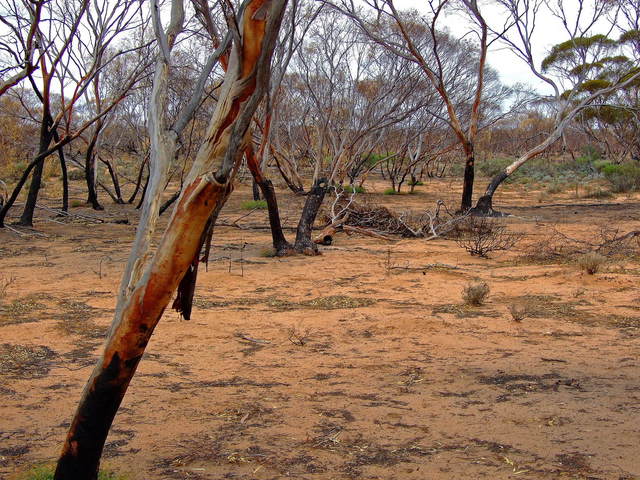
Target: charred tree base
(484, 208)
(304, 243)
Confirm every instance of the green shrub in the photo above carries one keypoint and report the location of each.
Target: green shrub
(254, 205)
(353, 188)
(493, 166)
(599, 165)
(623, 178)
(417, 183)
(390, 191)
(75, 203)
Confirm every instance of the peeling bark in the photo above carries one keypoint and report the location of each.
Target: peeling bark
(150, 282)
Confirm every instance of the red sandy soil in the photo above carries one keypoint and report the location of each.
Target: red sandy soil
(360, 363)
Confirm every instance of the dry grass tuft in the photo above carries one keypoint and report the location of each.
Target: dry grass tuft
(475, 293)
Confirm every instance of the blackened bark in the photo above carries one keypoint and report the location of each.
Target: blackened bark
(484, 206)
(144, 192)
(467, 187)
(97, 413)
(256, 190)
(115, 181)
(138, 181)
(169, 202)
(90, 177)
(65, 177)
(304, 243)
(280, 244)
(183, 303)
(26, 219)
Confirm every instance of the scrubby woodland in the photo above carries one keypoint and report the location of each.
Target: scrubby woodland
(453, 240)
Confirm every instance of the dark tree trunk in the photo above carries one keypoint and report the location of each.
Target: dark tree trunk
(169, 202)
(280, 244)
(65, 177)
(26, 219)
(256, 190)
(90, 174)
(138, 181)
(115, 181)
(484, 206)
(304, 243)
(144, 192)
(467, 186)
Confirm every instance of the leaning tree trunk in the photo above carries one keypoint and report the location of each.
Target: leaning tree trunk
(280, 244)
(26, 219)
(484, 206)
(150, 287)
(304, 243)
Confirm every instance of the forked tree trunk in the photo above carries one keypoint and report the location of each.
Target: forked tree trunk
(149, 287)
(304, 242)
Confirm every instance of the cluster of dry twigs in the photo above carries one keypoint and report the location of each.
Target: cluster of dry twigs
(607, 241)
(367, 218)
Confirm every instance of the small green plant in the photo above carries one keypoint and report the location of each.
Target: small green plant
(417, 183)
(591, 262)
(390, 191)
(46, 472)
(475, 293)
(354, 189)
(623, 178)
(254, 205)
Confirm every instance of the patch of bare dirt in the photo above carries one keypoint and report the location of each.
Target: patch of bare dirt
(363, 362)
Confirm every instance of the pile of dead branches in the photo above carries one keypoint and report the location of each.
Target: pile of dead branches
(368, 218)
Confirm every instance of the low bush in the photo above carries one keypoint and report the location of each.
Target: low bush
(254, 205)
(591, 262)
(481, 236)
(390, 191)
(475, 293)
(354, 189)
(623, 178)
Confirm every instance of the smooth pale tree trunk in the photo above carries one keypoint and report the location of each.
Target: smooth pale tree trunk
(304, 243)
(149, 286)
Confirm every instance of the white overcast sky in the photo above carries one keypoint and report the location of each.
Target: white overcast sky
(549, 31)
